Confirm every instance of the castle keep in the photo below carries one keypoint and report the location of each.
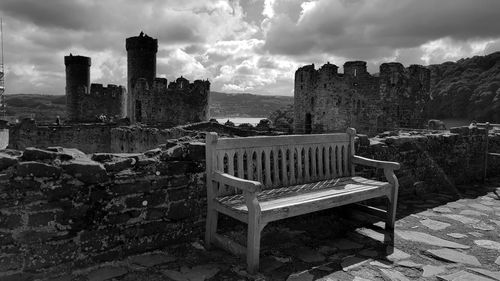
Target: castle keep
(86, 102)
(149, 100)
(328, 101)
(155, 101)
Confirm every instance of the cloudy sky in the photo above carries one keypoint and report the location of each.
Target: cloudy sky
(250, 46)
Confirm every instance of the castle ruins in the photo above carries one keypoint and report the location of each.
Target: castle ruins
(149, 100)
(328, 101)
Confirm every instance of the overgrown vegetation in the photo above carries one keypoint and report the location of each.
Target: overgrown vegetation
(468, 88)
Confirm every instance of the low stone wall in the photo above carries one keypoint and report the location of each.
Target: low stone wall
(433, 161)
(61, 210)
(98, 137)
(88, 138)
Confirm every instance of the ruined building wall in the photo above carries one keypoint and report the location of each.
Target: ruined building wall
(86, 102)
(328, 101)
(178, 103)
(88, 138)
(152, 100)
(141, 63)
(64, 212)
(403, 92)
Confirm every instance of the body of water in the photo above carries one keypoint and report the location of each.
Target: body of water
(240, 120)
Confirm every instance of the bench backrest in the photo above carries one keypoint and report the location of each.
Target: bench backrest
(278, 161)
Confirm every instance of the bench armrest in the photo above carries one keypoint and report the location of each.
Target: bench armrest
(375, 163)
(245, 185)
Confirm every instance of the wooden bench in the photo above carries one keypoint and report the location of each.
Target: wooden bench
(258, 180)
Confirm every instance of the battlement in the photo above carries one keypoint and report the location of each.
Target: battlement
(355, 68)
(328, 101)
(111, 91)
(77, 60)
(143, 42)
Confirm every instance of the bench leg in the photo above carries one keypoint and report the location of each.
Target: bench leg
(390, 220)
(253, 244)
(211, 227)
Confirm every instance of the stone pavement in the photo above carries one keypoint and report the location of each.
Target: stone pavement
(437, 238)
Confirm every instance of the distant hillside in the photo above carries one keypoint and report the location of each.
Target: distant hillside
(246, 105)
(45, 108)
(468, 88)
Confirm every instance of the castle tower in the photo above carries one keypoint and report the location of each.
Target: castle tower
(77, 84)
(141, 63)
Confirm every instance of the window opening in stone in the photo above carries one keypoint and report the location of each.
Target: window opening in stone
(308, 124)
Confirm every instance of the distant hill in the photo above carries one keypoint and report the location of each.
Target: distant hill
(246, 105)
(45, 108)
(468, 88)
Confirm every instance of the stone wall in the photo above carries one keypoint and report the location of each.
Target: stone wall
(328, 101)
(99, 137)
(433, 162)
(61, 211)
(88, 138)
(173, 104)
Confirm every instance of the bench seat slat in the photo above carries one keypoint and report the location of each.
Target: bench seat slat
(329, 191)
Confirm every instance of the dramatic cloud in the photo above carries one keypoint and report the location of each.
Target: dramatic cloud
(239, 45)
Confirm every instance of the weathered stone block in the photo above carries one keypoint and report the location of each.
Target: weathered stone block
(177, 152)
(6, 238)
(86, 170)
(177, 194)
(119, 164)
(11, 262)
(34, 154)
(123, 217)
(7, 161)
(156, 213)
(196, 151)
(37, 169)
(178, 211)
(42, 219)
(146, 200)
(10, 221)
(131, 187)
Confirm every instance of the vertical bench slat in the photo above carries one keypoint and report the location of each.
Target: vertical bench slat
(314, 171)
(230, 169)
(344, 161)
(259, 165)
(333, 161)
(230, 162)
(284, 176)
(338, 156)
(307, 156)
(326, 160)
(299, 164)
(250, 164)
(291, 163)
(320, 161)
(276, 172)
(267, 164)
(241, 172)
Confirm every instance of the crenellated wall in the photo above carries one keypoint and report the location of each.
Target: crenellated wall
(179, 103)
(328, 101)
(87, 102)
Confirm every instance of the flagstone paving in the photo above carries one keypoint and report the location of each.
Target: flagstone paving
(437, 238)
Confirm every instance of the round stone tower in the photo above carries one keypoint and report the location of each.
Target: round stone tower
(141, 63)
(77, 84)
